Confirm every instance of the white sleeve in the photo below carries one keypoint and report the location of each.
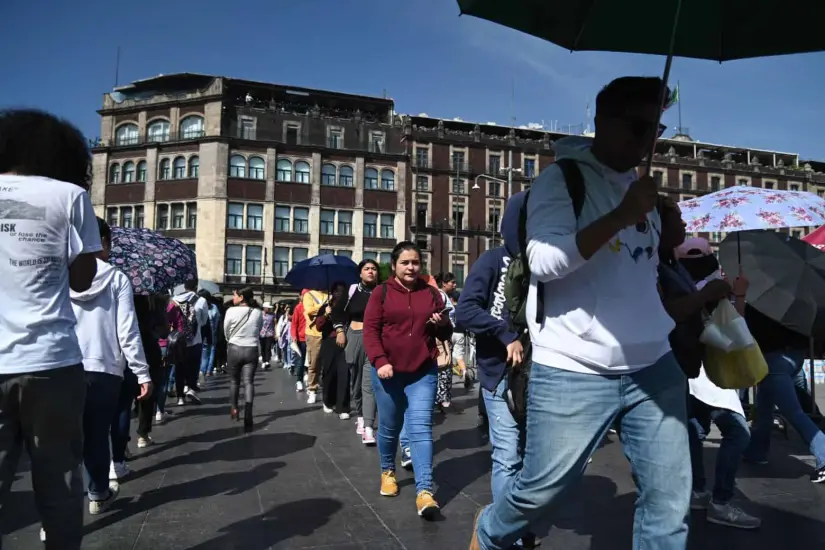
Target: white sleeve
(84, 234)
(227, 324)
(128, 333)
(201, 312)
(552, 251)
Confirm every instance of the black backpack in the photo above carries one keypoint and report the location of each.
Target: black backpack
(518, 283)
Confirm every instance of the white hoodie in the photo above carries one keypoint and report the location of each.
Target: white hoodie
(603, 315)
(107, 327)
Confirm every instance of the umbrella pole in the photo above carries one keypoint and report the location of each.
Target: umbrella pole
(665, 78)
(813, 378)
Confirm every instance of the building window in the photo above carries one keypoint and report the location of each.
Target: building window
(179, 168)
(114, 173)
(529, 168)
(127, 134)
(421, 214)
(336, 138)
(494, 218)
(345, 176)
(280, 261)
(237, 166)
(191, 215)
(282, 219)
(300, 220)
(141, 171)
(111, 216)
(299, 255)
(246, 128)
(177, 216)
(344, 253)
(191, 127)
(139, 217)
(165, 170)
(457, 161)
(387, 226)
(687, 181)
(458, 244)
(324, 251)
(257, 170)
(658, 177)
(283, 170)
(494, 165)
(302, 172)
(163, 216)
(370, 255)
(126, 216)
(234, 259)
(795, 233)
(194, 167)
(458, 186)
(422, 157)
(328, 174)
(458, 215)
(387, 180)
(370, 178)
(234, 215)
(255, 217)
(791, 187)
(742, 182)
(253, 260)
(327, 222)
(494, 188)
(292, 134)
(370, 225)
(128, 172)
(377, 142)
(422, 183)
(458, 271)
(770, 185)
(158, 131)
(715, 183)
(344, 222)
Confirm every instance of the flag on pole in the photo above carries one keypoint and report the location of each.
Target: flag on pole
(674, 97)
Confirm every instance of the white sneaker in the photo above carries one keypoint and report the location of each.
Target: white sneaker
(144, 442)
(186, 389)
(299, 386)
(359, 425)
(159, 417)
(42, 535)
(327, 410)
(99, 506)
(118, 470)
(344, 416)
(311, 397)
(306, 379)
(181, 402)
(369, 436)
(193, 395)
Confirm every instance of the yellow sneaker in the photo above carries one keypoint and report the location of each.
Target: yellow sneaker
(389, 486)
(426, 504)
(474, 539)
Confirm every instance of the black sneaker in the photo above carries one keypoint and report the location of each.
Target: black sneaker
(818, 476)
(406, 459)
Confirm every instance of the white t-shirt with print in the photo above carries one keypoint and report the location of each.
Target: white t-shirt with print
(44, 225)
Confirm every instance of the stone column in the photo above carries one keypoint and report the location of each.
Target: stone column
(151, 175)
(271, 163)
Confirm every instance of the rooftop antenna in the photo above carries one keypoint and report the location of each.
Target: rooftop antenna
(117, 67)
(587, 118)
(513, 101)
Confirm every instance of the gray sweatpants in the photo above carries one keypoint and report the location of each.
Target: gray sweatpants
(363, 398)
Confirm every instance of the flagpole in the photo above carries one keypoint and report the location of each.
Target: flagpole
(680, 105)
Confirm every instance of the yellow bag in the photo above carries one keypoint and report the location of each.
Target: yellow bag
(737, 362)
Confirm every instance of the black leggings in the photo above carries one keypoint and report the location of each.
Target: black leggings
(241, 363)
(335, 371)
(266, 350)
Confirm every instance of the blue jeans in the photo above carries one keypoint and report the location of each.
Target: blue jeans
(298, 361)
(777, 389)
(505, 438)
(406, 400)
(102, 396)
(207, 359)
(123, 416)
(735, 438)
(568, 415)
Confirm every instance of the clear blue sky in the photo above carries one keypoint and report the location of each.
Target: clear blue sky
(60, 56)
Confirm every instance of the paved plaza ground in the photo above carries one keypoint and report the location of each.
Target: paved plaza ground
(303, 480)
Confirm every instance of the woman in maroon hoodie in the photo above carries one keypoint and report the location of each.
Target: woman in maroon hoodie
(402, 320)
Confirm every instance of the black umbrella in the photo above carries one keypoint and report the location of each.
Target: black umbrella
(787, 278)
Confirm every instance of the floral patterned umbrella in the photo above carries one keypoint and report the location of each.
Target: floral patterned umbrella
(744, 208)
(152, 262)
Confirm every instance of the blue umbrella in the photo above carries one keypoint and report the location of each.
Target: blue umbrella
(320, 272)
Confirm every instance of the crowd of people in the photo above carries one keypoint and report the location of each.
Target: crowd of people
(598, 246)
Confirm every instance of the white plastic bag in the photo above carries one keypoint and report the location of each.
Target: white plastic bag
(727, 329)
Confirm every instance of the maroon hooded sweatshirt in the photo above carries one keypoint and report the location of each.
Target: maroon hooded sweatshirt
(396, 331)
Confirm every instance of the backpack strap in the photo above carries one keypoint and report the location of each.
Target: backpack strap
(383, 292)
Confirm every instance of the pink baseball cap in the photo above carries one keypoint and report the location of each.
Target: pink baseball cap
(694, 247)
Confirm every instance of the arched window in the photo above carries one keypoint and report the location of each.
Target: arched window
(141, 171)
(164, 171)
(387, 180)
(128, 172)
(370, 178)
(237, 166)
(126, 134)
(179, 168)
(328, 174)
(302, 172)
(158, 131)
(194, 166)
(345, 176)
(191, 127)
(283, 170)
(114, 173)
(257, 168)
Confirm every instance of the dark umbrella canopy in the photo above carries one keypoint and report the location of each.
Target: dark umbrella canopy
(321, 272)
(719, 30)
(154, 263)
(787, 277)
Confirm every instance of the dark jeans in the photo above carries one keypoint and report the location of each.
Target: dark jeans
(298, 361)
(241, 364)
(146, 407)
(186, 375)
(102, 396)
(161, 388)
(266, 350)
(335, 376)
(43, 411)
(123, 416)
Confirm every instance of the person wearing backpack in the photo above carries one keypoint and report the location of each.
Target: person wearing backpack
(599, 331)
(195, 319)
